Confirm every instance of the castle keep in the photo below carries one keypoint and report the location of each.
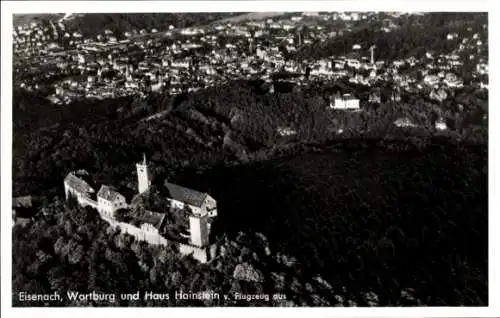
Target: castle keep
(152, 225)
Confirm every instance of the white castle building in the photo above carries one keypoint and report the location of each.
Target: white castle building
(202, 207)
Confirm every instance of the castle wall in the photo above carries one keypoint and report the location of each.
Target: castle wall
(150, 237)
(201, 254)
(85, 201)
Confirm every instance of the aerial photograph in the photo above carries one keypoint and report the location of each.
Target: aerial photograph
(250, 159)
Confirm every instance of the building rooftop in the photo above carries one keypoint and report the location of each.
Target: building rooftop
(108, 193)
(345, 96)
(77, 183)
(25, 207)
(186, 195)
(22, 202)
(153, 218)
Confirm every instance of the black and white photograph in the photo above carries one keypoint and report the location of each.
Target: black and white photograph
(319, 157)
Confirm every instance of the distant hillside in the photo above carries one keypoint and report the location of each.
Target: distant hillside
(21, 19)
(92, 24)
(251, 16)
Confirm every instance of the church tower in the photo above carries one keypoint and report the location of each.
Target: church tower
(143, 176)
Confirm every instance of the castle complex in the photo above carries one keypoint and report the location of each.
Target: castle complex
(152, 229)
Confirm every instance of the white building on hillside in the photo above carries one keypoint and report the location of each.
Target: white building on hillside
(345, 102)
(440, 124)
(404, 122)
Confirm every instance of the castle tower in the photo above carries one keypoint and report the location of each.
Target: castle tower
(198, 227)
(143, 176)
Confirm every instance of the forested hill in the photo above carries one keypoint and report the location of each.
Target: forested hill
(238, 121)
(414, 35)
